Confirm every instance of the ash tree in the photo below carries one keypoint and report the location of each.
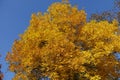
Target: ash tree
(62, 45)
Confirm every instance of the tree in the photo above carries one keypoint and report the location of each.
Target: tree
(1, 74)
(109, 15)
(61, 45)
(105, 15)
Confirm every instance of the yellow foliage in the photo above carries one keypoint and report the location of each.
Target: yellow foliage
(96, 77)
(61, 45)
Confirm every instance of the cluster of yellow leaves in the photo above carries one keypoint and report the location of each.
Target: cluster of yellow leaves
(99, 42)
(61, 45)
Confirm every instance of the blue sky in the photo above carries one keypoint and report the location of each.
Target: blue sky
(15, 16)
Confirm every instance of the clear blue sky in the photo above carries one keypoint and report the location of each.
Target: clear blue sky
(15, 16)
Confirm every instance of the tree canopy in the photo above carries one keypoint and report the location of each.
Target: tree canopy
(62, 45)
(108, 15)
